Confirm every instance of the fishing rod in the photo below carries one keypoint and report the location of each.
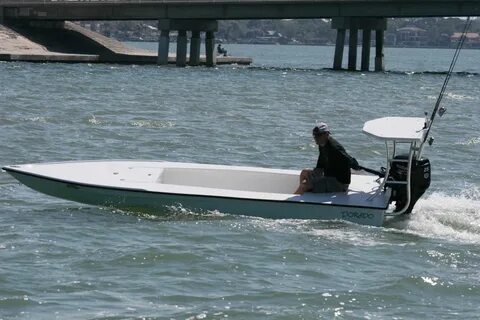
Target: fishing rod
(437, 108)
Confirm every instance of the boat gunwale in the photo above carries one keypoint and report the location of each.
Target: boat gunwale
(82, 184)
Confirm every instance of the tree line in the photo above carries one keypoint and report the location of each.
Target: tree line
(437, 31)
(320, 31)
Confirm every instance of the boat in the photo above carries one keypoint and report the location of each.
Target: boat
(155, 186)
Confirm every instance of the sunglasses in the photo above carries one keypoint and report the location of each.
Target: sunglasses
(317, 133)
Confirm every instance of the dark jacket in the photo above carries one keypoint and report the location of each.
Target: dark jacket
(335, 161)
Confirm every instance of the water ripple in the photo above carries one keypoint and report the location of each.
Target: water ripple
(80, 262)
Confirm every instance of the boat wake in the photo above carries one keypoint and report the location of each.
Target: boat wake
(437, 216)
(172, 213)
(444, 216)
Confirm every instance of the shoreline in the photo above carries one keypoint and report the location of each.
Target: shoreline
(70, 43)
(312, 45)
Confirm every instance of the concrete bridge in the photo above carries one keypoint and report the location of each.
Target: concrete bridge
(233, 9)
(201, 16)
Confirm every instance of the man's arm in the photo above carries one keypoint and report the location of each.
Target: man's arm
(351, 161)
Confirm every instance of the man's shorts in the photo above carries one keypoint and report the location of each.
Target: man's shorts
(321, 184)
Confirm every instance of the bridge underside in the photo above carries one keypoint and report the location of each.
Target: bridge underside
(228, 10)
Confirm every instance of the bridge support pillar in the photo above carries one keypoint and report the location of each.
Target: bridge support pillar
(163, 47)
(339, 45)
(367, 33)
(184, 25)
(353, 24)
(181, 48)
(211, 57)
(195, 49)
(379, 57)
(352, 49)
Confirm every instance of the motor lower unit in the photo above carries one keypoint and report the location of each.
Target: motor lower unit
(419, 181)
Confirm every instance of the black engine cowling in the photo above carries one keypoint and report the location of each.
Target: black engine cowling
(419, 181)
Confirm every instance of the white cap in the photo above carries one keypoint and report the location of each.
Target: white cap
(320, 127)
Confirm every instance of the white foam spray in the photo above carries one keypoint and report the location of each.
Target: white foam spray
(446, 216)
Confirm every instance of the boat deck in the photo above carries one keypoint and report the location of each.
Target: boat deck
(204, 180)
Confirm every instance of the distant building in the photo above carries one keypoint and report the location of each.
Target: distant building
(472, 39)
(390, 39)
(270, 37)
(411, 37)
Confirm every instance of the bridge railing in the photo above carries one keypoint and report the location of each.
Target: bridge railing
(46, 2)
(36, 2)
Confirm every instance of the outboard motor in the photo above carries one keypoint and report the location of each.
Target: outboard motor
(419, 181)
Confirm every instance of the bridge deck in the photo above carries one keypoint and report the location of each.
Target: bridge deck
(231, 9)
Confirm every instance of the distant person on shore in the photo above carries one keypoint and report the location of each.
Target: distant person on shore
(332, 173)
(221, 50)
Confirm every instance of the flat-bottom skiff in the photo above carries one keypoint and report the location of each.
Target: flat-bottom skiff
(151, 186)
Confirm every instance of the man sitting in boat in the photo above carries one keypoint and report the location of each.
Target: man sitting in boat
(332, 173)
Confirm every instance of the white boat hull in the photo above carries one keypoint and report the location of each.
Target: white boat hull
(154, 187)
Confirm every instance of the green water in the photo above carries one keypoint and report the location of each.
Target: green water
(63, 260)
